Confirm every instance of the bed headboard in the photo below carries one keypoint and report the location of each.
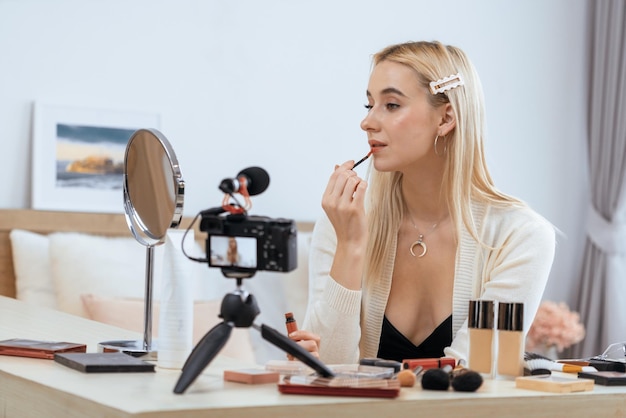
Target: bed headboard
(45, 222)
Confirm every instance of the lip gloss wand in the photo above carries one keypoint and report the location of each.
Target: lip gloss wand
(362, 160)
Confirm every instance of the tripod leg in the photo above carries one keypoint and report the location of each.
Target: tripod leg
(287, 345)
(204, 352)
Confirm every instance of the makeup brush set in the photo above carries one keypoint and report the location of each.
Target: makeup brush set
(536, 364)
(538, 375)
(434, 374)
(460, 379)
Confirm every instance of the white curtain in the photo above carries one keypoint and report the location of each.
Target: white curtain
(602, 291)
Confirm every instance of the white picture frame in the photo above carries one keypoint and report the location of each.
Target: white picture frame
(77, 155)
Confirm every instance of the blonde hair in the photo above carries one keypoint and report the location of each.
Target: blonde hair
(465, 178)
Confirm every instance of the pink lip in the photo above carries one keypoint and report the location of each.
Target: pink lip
(375, 146)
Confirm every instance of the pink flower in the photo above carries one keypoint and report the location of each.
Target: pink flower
(554, 325)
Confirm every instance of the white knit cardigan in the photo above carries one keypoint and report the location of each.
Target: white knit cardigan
(349, 321)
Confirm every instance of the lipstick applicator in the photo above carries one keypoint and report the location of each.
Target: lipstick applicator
(362, 160)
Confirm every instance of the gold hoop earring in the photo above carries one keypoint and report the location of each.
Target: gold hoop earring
(445, 147)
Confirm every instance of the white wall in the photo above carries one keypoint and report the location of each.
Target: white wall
(280, 84)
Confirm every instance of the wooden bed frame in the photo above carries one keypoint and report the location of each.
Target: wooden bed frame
(46, 222)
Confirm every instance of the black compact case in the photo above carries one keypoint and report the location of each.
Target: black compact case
(103, 362)
(608, 366)
(605, 378)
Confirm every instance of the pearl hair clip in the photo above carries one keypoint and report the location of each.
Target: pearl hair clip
(446, 83)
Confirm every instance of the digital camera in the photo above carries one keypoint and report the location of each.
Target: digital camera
(241, 243)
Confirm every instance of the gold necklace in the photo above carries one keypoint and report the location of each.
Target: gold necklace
(420, 240)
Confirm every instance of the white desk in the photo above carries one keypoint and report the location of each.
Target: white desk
(44, 388)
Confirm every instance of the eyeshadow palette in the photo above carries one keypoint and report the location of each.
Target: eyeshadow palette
(37, 348)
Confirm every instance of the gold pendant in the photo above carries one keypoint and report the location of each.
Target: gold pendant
(421, 244)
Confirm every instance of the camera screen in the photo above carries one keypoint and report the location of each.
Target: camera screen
(233, 251)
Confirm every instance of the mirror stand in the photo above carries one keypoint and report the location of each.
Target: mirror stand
(146, 349)
(147, 315)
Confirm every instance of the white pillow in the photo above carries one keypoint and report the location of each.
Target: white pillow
(106, 266)
(31, 265)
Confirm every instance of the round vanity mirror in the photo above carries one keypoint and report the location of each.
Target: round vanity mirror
(153, 187)
(153, 203)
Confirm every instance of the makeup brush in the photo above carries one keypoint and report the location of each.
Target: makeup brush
(408, 377)
(436, 379)
(362, 160)
(465, 380)
(535, 372)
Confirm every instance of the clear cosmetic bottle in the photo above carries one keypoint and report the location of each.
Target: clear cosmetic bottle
(510, 339)
(481, 330)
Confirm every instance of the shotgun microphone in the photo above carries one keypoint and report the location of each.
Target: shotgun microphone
(255, 179)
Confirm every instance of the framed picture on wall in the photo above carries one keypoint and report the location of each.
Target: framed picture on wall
(78, 156)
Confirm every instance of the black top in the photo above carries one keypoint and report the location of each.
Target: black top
(394, 345)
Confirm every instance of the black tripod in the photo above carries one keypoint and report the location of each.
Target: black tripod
(239, 309)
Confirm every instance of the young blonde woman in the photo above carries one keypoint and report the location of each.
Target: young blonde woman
(396, 259)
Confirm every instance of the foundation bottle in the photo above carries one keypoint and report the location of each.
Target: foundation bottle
(510, 339)
(481, 329)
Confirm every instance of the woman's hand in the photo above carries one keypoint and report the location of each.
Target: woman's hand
(344, 204)
(307, 340)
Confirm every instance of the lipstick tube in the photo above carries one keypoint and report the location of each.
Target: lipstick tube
(428, 363)
(290, 323)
